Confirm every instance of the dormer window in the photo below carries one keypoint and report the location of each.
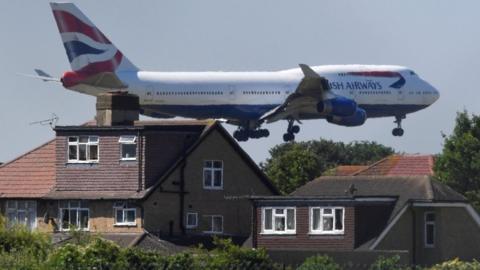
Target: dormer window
(83, 149)
(128, 147)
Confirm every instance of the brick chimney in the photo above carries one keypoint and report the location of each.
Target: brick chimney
(117, 109)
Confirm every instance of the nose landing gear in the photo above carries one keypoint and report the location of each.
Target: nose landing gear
(291, 131)
(398, 131)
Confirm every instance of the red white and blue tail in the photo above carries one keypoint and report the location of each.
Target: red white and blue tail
(89, 51)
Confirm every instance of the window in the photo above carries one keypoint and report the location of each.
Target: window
(22, 212)
(327, 220)
(213, 174)
(74, 214)
(429, 229)
(215, 222)
(191, 220)
(278, 220)
(125, 214)
(128, 147)
(83, 149)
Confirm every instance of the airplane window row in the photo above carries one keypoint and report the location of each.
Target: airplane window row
(375, 92)
(261, 92)
(188, 93)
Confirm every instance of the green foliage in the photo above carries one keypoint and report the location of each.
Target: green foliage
(68, 257)
(20, 239)
(319, 262)
(390, 263)
(456, 264)
(181, 261)
(291, 165)
(133, 258)
(459, 163)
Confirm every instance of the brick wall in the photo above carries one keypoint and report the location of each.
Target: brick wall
(109, 174)
(302, 240)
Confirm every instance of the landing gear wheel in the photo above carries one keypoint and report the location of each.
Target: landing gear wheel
(241, 135)
(397, 132)
(287, 137)
(295, 129)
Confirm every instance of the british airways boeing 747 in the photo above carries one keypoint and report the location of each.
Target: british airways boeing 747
(342, 94)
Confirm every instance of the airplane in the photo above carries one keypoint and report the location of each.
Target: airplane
(345, 95)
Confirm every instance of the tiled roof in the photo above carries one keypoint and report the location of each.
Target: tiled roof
(345, 170)
(401, 165)
(405, 188)
(31, 175)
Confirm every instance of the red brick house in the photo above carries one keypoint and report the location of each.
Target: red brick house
(357, 218)
(133, 182)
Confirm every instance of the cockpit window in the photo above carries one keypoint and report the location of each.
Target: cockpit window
(412, 73)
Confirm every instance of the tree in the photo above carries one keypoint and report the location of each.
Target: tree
(293, 164)
(459, 163)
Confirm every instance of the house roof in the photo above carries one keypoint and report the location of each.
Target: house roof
(31, 175)
(345, 170)
(405, 188)
(401, 165)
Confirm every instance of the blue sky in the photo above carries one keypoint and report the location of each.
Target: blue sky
(438, 39)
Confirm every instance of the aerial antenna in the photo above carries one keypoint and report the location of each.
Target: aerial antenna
(52, 121)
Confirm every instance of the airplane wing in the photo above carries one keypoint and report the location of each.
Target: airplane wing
(312, 89)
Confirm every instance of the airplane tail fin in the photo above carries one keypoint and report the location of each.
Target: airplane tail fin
(89, 51)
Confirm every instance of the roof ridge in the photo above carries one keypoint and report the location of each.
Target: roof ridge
(26, 153)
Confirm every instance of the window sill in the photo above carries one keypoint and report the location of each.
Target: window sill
(212, 188)
(128, 159)
(278, 234)
(213, 232)
(191, 227)
(82, 162)
(327, 233)
(125, 225)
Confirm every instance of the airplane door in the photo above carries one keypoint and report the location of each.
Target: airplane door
(232, 93)
(401, 95)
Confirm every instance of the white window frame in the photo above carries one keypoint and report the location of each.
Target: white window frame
(321, 215)
(213, 170)
(192, 226)
(78, 209)
(124, 207)
(127, 140)
(16, 210)
(211, 217)
(427, 223)
(285, 210)
(91, 140)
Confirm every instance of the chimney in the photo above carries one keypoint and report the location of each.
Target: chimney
(117, 109)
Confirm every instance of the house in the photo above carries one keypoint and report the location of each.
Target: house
(134, 181)
(357, 218)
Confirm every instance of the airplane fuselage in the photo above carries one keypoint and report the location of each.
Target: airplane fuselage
(380, 90)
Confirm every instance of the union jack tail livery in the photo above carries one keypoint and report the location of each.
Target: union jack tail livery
(89, 51)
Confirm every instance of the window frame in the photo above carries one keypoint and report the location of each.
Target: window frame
(211, 218)
(78, 209)
(88, 144)
(124, 207)
(285, 215)
(123, 141)
(27, 212)
(321, 231)
(426, 224)
(213, 170)
(188, 226)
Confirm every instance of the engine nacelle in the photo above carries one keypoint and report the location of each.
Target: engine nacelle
(338, 106)
(357, 119)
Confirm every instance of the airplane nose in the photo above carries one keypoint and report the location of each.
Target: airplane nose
(436, 94)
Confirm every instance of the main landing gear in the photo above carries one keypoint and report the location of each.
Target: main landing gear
(398, 131)
(250, 130)
(291, 131)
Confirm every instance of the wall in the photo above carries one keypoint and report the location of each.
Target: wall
(101, 218)
(109, 174)
(239, 180)
(302, 240)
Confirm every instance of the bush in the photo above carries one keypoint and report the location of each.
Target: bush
(181, 261)
(456, 264)
(68, 257)
(319, 262)
(390, 263)
(132, 258)
(20, 239)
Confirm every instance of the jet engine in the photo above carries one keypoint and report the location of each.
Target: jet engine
(357, 119)
(338, 106)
